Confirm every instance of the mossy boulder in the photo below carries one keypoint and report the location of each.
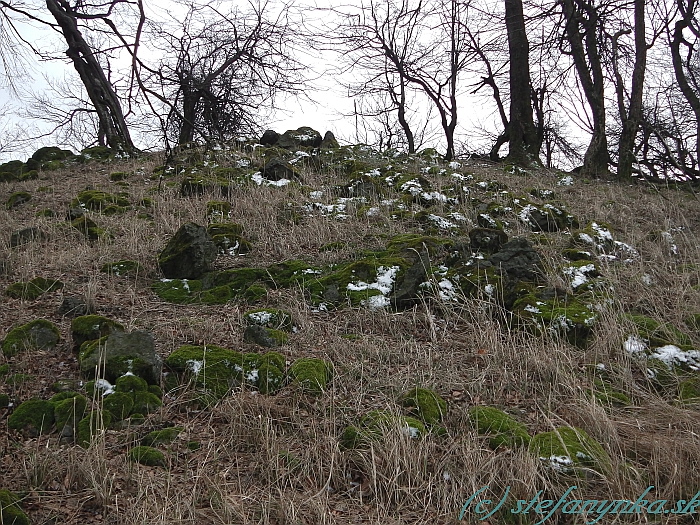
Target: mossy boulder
(376, 425)
(118, 404)
(32, 417)
(40, 333)
(188, 254)
(130, 383)
(88, 228)
(424, 404)
(4, 400)
(179, 291)
(503, 430)
(211, 368)
(266, 337)
(101, 201)
(312, 374)
(91, 327)
(145, 403)
(123, 268)
(91, 425)
(17, 199)
(658, 333)
(567, 448)
(301, 137)
(68, 412)
(10, 511)
(121, 353)
(27, 235)
(33, 289)
(555, 312)
(149, 456)
(228, 237)
(596, 236)
(218, 210)
(118, 176)
(98, 153)
(546, 218)
(49, 153)
(161, 437)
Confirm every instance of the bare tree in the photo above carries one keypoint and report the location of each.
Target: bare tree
(218, 69)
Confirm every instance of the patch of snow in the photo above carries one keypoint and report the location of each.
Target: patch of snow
(672, 355)
(441, 222)
(316, 194)
(489, 289)
(104, 386)
(532, 309)
(260, 317)
(566, 181)
(252, 376)
(634, 345)
(454, 165)
(646, 279)
(560, 463)
(194, 365)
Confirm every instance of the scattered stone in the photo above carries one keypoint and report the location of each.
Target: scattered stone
(266, 337)
(10, 511)
(329, 141)
(74, 307)
(189, 254)
(33, 289)
(40, 334)
(17, 199)
(277, 169)
(27, 235)
(567, 448)
(120, 353)
(487, 240)
(519, 259)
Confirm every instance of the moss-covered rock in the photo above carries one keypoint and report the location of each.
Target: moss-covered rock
(118, 176)
(129, 383)
(374, 425)
(217, 211)
(123, 268)
(228, 237)
(98, 153)
(10, 511)
(118, 404)
(91, 425)
(566, 448)
(424, 404)
(312, 374)
(32, 417)
(211, 368)
(4, 400)
(33, 289)
(17, 199)
(88, 228)
(101, 201)
(148, 456)
(503, 430)
(658, 333)
(40, 333)
(266, 337)
(92, 327)
(557, 313)
(68, 412)
(178, 291)
(161, 437)
(596, 236)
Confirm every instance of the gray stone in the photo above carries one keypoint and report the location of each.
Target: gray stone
(74, 307)
(269, 138)
(519, 259)
(120, 353)
(302, 137)
(487, 240)
(277, 169)
(189, 254)
(329, 141)
(406, 294)
(263, 336)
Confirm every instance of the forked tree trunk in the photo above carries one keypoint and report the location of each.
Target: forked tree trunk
(104, 99)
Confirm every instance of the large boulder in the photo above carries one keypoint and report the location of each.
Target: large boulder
(302, 137)
(519, 259)
(189, 254)
(121, 353)
(269, 138)
(278, 169)
(329, 141)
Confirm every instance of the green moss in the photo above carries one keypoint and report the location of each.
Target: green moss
(312, 374)
(217, 210)
(148, 456)
(88, 228)
(4, 400)
(6, 176)
(101, 201)
(118, 404)
(69, 411)
(178, 291)
(155, 390)
(18, 379)
(29, 175)
(40, 333)
(573, 444)
(92, 327)
(10, 511)
(33, 289)
(130, 383)
(689, 391)
(693, 322)
(503, 430)
(120, 268)
(228, 237)
(424, 404)
(568, 316)
(254, 293)
(97, 153)
(160, 437)
(412, 241)
(17, 199)
(373, 426)
(49, 153)
(212, 368)
(145, 403)
(607, 395)
(33, 417)
(193, 445)
(4, 369)
(658, 333)
(90, 425)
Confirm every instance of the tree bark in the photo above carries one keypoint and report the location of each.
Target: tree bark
(102, 96)
(630, 122)
(523, 144)
(588, 66)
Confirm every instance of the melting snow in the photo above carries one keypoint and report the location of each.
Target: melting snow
(634, 345)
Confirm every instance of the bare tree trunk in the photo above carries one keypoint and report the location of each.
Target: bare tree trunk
(630, 122)
(102, 96)
(523, 146)
(690, 95)
(586, 55)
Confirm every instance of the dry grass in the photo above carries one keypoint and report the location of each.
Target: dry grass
(276, 459)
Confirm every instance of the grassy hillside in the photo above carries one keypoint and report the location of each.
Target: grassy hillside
(598, 342)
